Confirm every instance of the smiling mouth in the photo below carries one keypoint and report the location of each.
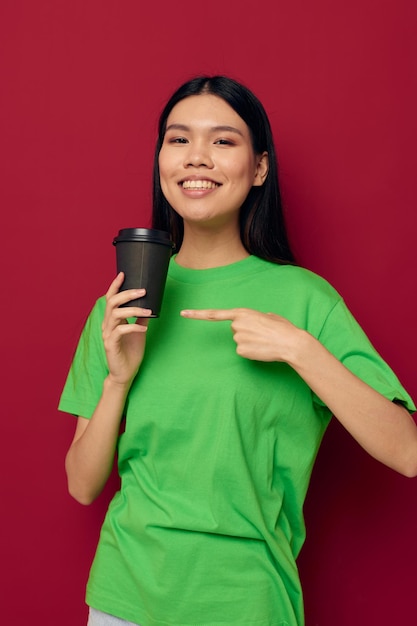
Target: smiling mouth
(199, 184)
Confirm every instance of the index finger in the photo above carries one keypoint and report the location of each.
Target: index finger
(115, 285)
(211, 315)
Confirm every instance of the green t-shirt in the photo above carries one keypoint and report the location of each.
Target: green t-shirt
(217, 452)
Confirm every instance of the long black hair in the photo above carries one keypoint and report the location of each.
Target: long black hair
(262, 225)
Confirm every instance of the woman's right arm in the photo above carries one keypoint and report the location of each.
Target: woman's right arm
(91, 455)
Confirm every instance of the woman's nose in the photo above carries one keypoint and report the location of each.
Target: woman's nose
(198, 155)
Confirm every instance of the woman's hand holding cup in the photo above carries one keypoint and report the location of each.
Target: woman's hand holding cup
(124, 342)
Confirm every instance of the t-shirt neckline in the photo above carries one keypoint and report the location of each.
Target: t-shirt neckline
(248, 265)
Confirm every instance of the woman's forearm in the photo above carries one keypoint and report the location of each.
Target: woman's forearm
(90, 458)
(385, 429)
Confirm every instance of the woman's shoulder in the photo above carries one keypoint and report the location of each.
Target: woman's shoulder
(297, 277)
(98, 308)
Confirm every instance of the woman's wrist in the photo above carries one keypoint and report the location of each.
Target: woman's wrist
(301, 349)
(116, 387)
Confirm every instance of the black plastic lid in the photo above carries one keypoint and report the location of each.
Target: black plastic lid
(143, 234)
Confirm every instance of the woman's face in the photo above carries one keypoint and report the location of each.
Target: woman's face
(207, 163)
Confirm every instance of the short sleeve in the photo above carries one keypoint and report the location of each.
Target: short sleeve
(345, 339)
(84, 384)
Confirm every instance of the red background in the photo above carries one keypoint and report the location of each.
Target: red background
(82, 85)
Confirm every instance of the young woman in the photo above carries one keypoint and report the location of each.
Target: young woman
(226, 410)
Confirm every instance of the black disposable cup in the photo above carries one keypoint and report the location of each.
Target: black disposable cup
(143, 255)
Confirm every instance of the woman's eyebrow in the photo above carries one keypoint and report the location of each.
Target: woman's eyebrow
(177, 127)
(222, 128)
(230, 129)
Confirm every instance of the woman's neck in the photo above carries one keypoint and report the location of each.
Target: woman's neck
(203, 250)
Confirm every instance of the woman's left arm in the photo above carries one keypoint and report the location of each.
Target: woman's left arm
(383, 428)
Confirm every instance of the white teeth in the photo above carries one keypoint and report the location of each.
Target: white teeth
(199, 184)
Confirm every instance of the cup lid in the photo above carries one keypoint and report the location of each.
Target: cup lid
(144, 234)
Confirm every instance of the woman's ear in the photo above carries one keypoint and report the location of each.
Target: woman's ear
(262, 169)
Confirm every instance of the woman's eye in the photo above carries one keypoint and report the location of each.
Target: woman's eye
(177, 140)
(224, 142)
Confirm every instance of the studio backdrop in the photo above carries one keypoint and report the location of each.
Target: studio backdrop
(82, 85)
